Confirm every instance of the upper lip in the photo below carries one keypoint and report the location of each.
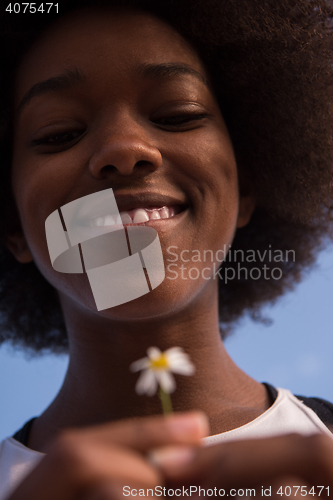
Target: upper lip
(129, 201)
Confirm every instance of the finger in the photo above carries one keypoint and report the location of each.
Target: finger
(105, 491)
(247, 463)
(170, 458)
(114, 491)
(286, 486)
(69, 472)
(80, 457)
(142, 434)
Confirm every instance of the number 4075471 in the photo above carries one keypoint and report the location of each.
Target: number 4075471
(32, 8)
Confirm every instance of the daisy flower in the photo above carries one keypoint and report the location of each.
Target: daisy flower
(157, 369)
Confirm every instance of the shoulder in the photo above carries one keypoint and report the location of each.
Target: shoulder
(317, 408)
(322, 408)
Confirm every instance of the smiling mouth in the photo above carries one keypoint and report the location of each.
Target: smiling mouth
(137, 216)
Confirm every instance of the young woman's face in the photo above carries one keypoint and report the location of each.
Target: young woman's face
(130, 110)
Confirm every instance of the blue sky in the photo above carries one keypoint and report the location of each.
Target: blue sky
(295, 352)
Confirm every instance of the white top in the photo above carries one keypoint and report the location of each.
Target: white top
(16, 461)
(288, 414)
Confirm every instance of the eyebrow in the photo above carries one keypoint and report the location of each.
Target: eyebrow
(64, 81)
(74, 76)
(169, 70)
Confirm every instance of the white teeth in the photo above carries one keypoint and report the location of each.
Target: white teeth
(126, 219)
(137, 216)
(164, 213)
(154, 214)
(109, 220)
(118, 221)
(172, 212)
(140, 215)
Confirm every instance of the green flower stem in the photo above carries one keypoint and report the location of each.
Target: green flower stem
(165, 400)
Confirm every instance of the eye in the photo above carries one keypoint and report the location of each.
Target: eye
(58, 139)
(181, 120)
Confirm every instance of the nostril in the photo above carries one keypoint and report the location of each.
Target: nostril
(140, 163)
(109, 168)
(122, 158)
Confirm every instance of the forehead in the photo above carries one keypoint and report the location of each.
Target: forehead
(100, 40)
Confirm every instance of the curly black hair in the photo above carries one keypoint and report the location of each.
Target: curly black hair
(271, 67)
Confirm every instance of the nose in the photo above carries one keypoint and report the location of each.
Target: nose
(126, 150)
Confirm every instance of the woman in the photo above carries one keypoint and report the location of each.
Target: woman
(216, 116)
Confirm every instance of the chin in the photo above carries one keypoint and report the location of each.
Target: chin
(155, 304)
(170, 298)
(165, 301)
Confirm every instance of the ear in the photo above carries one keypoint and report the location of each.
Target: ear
(15, 238)
(247, 202)
(17, 245)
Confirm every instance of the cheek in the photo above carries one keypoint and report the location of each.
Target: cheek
(211, 179)
(39, 189)
(42, 184)
(38, 186)
(210, 176)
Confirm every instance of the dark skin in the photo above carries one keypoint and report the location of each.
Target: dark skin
(121, 140)
(113, 128)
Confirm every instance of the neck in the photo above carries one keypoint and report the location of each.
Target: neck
(99, 386)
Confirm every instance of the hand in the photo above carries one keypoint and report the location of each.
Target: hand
(292, 460)
(96, 462)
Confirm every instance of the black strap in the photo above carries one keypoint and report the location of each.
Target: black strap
(272, 392)
(22, 435)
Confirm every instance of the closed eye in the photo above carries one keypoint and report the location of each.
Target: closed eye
(180, 120)
(58, 139)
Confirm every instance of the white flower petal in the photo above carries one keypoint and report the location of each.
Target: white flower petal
(140, 364)
(153, 352)
(154, 373)
(184, 369)
(147, 383)
(174, 350)
(177, 355)
(166, 381)
(173, 360)
(178, 361)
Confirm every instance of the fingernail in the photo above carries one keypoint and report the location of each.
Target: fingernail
(190, 424)
(172, 457)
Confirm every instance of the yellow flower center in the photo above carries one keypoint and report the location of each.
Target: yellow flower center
(160, 363)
